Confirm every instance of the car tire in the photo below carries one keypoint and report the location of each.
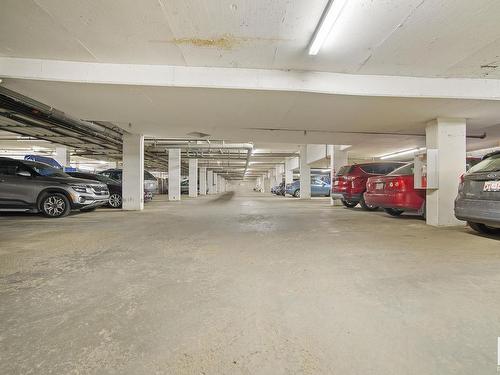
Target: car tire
(483, 228)
(55, 205)
(348, 203)
(393, 211)
(366, 206)
(296, 193)
(115, 200)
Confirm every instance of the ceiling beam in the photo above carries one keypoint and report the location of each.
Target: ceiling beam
(249, 79)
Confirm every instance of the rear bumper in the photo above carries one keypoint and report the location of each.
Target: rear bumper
(402, 201)
(346, 196)
(478, 211)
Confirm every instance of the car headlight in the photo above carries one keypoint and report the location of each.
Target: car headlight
(80, 188)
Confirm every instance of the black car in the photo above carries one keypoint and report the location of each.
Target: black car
(114, 187)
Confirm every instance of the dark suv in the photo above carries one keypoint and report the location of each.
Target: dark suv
(29, 186)
(150, 181)
(478, 200)
(349, 184)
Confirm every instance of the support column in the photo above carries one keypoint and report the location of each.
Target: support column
(338, 158)
(279, 174)
(133, 172)
(216, 183)
(193, 178)
(62, 156)
(203, 181)
(219, 185)
(448, 137)
(272, 178)
(266, 188)
(288, 171)
(174, 174)
(305, 174)
(210, 181)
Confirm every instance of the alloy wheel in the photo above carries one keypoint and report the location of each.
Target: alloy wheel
(54, 206)
(115, 200)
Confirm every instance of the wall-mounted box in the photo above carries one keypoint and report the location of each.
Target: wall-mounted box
(426, 170)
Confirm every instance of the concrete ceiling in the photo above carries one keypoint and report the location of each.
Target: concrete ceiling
(416, 38)
(432, 38)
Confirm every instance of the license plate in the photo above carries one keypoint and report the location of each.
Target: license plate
(491, 186)
(379, 185)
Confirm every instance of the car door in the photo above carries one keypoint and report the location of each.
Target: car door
(316, 187)
(17, 187)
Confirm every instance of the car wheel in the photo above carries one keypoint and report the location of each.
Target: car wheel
(366, 206)
(115, 200)
(348, 203)
(296, 193)
(483, 228)
(393, 211)
(55, 205)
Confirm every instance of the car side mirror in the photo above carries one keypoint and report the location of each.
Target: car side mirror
(23, 174)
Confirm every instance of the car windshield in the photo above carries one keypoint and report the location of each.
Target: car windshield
(149, 176)
(404, 170)
(46, 170)
(380, 168)
(106, 179)
(491, 164)
(346, 169)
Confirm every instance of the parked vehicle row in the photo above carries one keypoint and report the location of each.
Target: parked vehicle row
(349, 184)
(391, 186)
(29, 186)
(319, 188)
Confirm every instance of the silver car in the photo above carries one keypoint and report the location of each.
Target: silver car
(29, 186)
(478, 200)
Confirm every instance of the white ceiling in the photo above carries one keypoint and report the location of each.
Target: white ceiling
(236, 114)
(435, 38)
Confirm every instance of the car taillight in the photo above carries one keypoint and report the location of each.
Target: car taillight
(396, 184)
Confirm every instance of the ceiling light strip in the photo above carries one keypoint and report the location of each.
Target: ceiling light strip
(325, 26)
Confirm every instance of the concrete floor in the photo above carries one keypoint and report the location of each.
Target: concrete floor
(246, 284)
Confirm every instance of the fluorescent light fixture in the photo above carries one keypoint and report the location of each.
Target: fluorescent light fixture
(330, 16)
(401, 153)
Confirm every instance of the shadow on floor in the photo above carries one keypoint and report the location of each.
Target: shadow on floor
(226, 197)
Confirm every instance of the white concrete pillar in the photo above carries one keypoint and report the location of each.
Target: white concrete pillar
(338, 158)
(305, 174)
(279, 174)
(193, 178)
(133, 172)
(272, 178)
(210, 182)
(266, 188)
(62, 156)
(174, 174)
(216, 183)
(288, 171)
(219, 184)
(448, 136)
(203, 181)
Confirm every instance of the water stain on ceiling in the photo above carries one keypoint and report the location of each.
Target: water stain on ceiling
(226, 41)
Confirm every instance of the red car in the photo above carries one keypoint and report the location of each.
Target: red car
(349, 183)
(395, 192)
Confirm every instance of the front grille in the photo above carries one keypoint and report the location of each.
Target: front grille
(100, 190)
